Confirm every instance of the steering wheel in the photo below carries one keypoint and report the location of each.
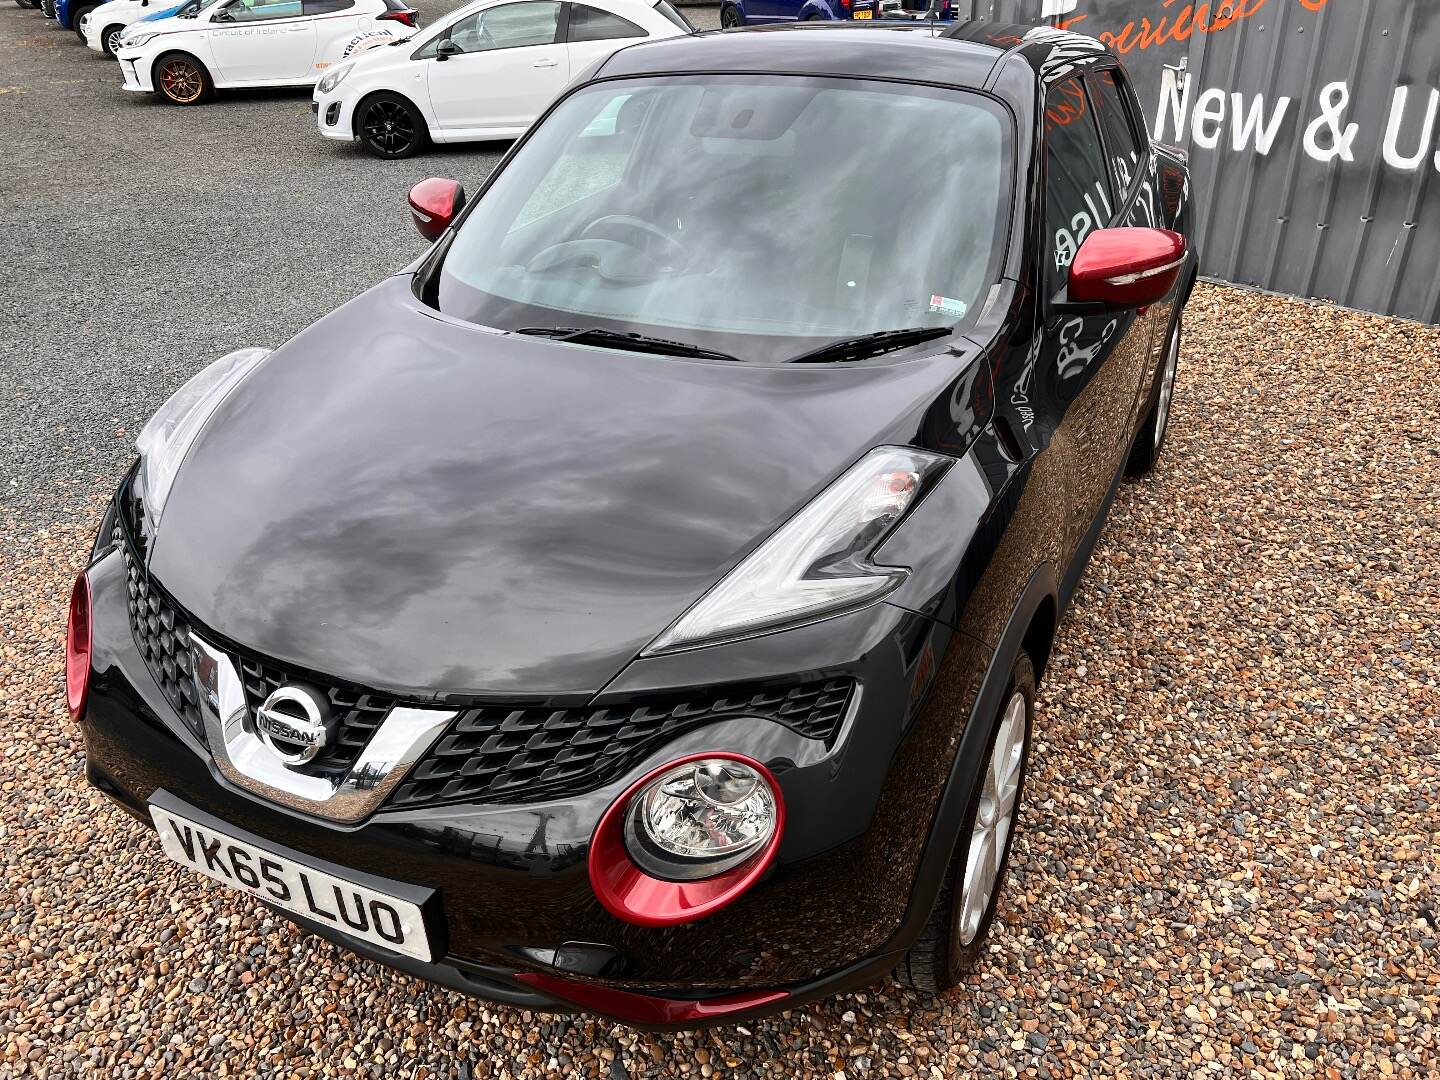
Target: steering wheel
(621, 248)
(637, 233)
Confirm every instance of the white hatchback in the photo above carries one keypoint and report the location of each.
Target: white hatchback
(234, 43)
(486, 71)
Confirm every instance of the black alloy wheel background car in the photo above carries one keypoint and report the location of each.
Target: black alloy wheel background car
(730, 17)
(181, 79)
(536, 571)
(389, 126)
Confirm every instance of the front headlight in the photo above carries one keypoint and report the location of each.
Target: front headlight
(333, 78)
(136, 41)
(164, 441)
(700, 819)
(817, 563)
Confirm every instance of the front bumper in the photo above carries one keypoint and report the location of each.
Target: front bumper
(333, 115)
(135, 71)
(515, 903)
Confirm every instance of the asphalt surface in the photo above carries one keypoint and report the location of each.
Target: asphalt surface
(140, 241)
(1227, 857)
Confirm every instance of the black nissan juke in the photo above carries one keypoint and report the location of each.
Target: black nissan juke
(636, 604)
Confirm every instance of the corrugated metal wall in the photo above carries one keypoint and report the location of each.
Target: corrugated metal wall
(1313, 128)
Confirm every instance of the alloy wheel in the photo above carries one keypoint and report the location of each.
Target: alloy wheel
(729, 18)
(112, 39)
(1167, 385)
(993, 819)
(389, 128)
(181, 81)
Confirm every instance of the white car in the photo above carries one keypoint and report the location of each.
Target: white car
(104, 25)
(232, 43)
(486, 71)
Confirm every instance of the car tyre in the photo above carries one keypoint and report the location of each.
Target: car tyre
(390, 127)
(27, 3)
(954, 936)
(730, 17)
(110, 39)
(78, 17)
(181, 79)
(1150, 439)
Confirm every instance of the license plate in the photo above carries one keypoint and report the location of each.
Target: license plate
(355, 910)
(862, 14)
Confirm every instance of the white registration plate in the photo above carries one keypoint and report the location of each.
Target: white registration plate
(378, 918)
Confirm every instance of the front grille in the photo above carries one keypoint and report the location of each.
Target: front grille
(359, 712)
(521, 755)
(162, 636)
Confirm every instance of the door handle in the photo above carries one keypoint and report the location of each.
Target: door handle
(546, 63)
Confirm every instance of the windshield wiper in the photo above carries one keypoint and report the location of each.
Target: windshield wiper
(867, 345)
(616, 339)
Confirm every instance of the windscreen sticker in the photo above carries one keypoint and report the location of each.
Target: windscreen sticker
(948, 306)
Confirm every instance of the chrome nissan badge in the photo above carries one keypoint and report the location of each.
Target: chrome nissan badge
(294, 724)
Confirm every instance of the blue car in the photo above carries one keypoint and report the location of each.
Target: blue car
(71, 14)
(754, 12)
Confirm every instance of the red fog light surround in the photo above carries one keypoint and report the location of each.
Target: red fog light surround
(631, 894)
(77, 648)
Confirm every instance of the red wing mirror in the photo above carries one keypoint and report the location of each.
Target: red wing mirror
(434, 204)
(1126, 268)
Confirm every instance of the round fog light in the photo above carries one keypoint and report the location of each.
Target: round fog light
(686, 839)
(699, 819)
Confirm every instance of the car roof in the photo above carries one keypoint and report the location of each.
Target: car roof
(961, 54)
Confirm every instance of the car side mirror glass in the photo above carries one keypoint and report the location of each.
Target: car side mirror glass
(434, 204)
(1126, 268)
(447, 49)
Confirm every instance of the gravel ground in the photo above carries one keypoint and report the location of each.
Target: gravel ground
(1228, 857)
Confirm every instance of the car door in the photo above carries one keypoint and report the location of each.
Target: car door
(341, 30)
(262, 41)
(505, 64)
(1089, 366)
(594, 32)
(772, 10)
(1133, 171)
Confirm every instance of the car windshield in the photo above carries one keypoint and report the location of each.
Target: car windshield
(762, 217)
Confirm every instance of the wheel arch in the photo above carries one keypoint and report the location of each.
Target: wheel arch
(188, 55)
(1030, 629)
(385, 91)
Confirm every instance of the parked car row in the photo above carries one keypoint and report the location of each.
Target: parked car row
(484, 71)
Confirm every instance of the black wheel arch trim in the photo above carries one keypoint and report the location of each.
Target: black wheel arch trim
(386, 92)
(1042, 588)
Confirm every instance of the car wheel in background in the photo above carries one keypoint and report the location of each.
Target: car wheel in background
(1150, 439)
(110, 40)
(730, 17)
(47, 8)
(388, 126)
(181, 79)
(27, 3)
(954, 936)
(78, 18)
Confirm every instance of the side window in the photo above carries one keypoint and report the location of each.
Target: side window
(1122, 143)
(258, 10)
(327, 7)
(510, 26)
(592, 24)
(1077, 192)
